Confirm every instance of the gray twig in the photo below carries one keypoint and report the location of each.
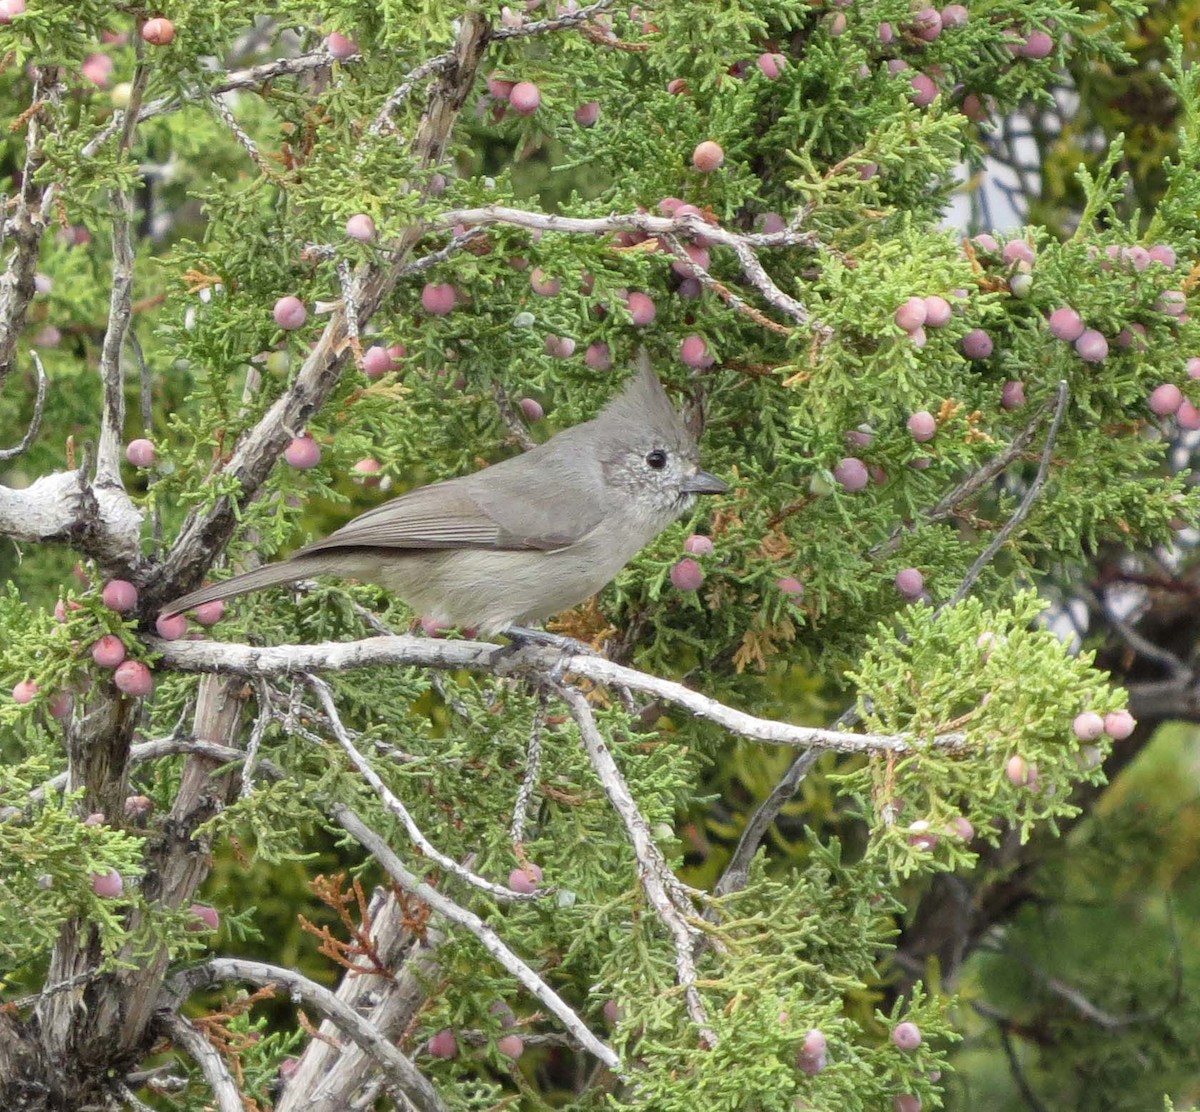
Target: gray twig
(39, 409)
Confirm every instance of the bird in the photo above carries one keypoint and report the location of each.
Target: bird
(524, 539)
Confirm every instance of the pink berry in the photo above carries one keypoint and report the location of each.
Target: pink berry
(771, 65)
(1165, 399)
(61, 704)
(1088, 726)
(811, 1064)
(377, 361)
(937, 311)
(1012, 396)
(511, 1046)
(642, 309)
(598, 357)
(911, 315)
(1017, 251)
(1188, 416)
(790, 585)
(443, 1044)
(922, 425)
(687, 575)
(341, 47)
(906, 1102)
(921, 837)
(525, 98)
(1066, 324)
(525, 880)
(203, 918)
(677, 86)
(852, 474)
(24, 691)
(209, 613)
(1133, 337)
(532, 409)
(119, 595)
(97, 68)
(1164, 254)
(134, 678)
(158, 32)
(542, 284)
(707, 156)
(860, 437)
(954, 16)
(438, 298)
(771, 223)
(907, 1036)
(140, 452)
(924, 89)
(698, 545)
(962, 828)
(886, 33)
(9, 9)
(1192, 366)
(365, 468)
(928, 24)
(290, 313)
(977, 344)
(361, 227)
(1020, 772)
(694, 352)
(1172, 302)
(108, 886)
(986, 242)
(910, 583)
(587, 114)
(109, 651)
(815, 1043)
(499, 87)
(1037, 45)
(612, 1011)
(302, 453)
(1119, 724)
(560, 347)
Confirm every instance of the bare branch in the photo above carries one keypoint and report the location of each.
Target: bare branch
(63, 507)
(405, 1080)
(666, 894)
(120, 309)
(559, 23)
(205, 1055)
(737, 872)
(26, 225)
(533, 772)
(426, 652)
(720, 289)
(35, 422)
(689, 225)
(484, 934)
(1022, 511)
(393, 804)
(948, 504)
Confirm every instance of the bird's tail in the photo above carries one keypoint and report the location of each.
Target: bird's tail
(269, 575)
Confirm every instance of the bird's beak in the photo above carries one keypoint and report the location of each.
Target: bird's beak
(703, 483)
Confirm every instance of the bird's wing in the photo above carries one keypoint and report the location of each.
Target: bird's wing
(456, 514)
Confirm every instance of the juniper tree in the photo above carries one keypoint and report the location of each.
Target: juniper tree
(265, 264)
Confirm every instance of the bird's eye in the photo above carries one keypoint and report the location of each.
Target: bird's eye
(657, 459)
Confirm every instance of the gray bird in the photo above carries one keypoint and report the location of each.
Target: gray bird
(522, 539)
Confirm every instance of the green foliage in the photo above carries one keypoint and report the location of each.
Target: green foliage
(835, 141)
